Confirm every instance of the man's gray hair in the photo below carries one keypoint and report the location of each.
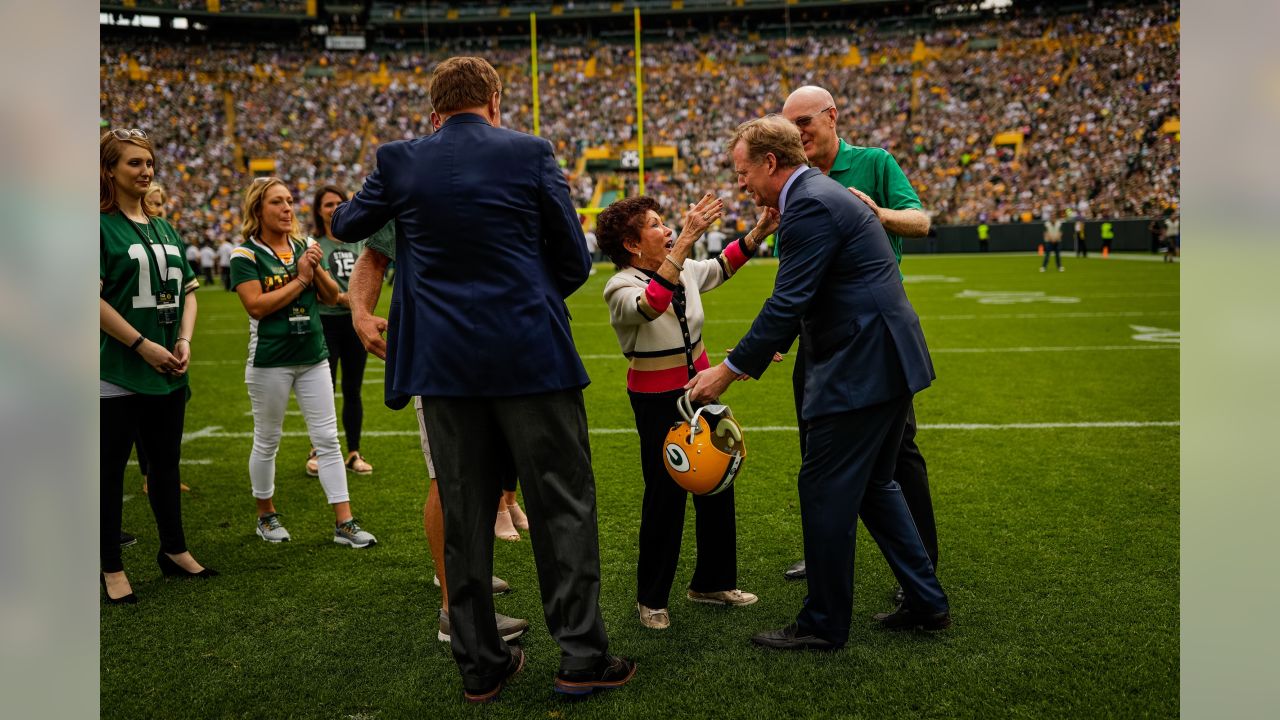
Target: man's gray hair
(770, 134)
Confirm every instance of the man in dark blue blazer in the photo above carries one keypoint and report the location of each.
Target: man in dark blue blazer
(838, 287)
(488, 247)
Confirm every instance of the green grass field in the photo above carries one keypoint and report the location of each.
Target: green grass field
(1052, 442)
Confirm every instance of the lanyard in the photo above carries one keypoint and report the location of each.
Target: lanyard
(151, 253)
(280, 260)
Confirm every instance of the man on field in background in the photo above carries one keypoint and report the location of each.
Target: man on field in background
(874, 177)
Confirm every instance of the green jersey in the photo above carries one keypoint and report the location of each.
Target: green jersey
(137, 265)
(876, 173)
(292, 334)
(339, 260)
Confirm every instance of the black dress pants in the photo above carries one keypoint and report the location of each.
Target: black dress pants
(911, 472)
(662, 515)
(474, 442)
(345, 348)
(155, 422)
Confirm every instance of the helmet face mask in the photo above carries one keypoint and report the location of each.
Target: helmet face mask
(704, 453)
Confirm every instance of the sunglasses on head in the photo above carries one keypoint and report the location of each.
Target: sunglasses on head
(122, 134)
(803, 121)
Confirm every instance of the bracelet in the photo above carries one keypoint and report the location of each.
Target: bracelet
(676, 265)
(304, 285)
(182, 339)
(137, 342)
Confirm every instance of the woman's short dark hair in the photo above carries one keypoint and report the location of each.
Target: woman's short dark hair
(620, 222)
(316, 219)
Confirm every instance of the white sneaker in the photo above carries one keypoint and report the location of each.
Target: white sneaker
(499, 585)
(352, 535)
(270, 529)
(1041, 268)
(508, 627)
(1062, 269)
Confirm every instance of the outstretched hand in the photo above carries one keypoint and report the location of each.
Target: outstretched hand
(701, 216)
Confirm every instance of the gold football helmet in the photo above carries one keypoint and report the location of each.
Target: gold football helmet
(704, 452)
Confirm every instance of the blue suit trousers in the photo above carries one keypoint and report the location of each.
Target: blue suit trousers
(847, 471)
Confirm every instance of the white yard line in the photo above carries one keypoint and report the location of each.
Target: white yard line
(185, 461)
(940, 351)
(968, 316)
(792, 428)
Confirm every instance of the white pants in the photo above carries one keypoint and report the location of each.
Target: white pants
(422, 435)
(269, 393)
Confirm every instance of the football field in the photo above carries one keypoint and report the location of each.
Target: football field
(1052, 441)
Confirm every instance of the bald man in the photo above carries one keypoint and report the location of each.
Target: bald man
(874, 176)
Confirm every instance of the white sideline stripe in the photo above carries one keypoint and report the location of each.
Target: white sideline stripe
(1071, 348)
(971, 316)
(1049, 348)
(718, 321)
(185, 461)
(778, 428)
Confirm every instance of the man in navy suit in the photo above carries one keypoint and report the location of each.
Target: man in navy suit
(865, 357)
(488, 247)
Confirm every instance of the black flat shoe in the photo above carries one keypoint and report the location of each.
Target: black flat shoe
(173, 569)
(789, 638)
(797, 571)
(904, 618)
(129, 599)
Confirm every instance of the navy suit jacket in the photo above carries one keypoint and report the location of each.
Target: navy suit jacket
(488, 246)
(838, 286)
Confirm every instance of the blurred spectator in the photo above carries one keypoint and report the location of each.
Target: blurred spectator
(1088, 96)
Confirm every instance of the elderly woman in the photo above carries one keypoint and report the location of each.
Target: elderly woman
(655, 308)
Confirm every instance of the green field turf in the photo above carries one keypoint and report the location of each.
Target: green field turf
(1059, 544)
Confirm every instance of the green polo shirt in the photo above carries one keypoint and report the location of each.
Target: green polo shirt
(876, 173)
(384, 241)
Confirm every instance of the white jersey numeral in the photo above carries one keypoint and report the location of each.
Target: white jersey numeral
(146, 298)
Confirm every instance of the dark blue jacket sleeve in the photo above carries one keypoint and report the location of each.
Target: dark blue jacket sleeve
(367, 212)
(566, 246)
(808, 242)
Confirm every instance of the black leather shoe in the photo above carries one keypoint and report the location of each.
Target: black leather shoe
(514, 665)
(611, 672)
(126, 540)
(129, 599)
(789, 638)
(795, 572)
(173, 569)
(899, 596)
(905, 619)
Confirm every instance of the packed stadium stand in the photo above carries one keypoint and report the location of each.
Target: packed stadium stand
(995, 117)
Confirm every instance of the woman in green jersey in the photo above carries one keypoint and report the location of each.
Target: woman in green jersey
(339, 335)
(278, 276)
(147, 315)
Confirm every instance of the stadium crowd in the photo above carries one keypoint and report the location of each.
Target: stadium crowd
(1088, 95)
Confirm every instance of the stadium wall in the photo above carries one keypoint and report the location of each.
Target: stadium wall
(1131, 234)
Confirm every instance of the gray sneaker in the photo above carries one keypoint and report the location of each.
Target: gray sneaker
(499, 585)
(351, 534)
(270, 529)
(508, 627)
